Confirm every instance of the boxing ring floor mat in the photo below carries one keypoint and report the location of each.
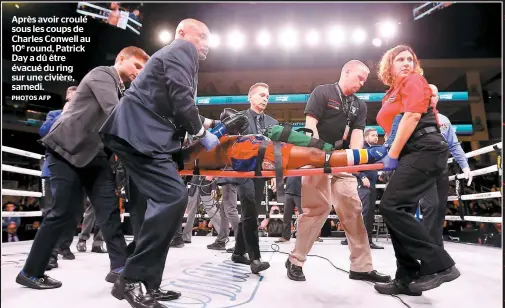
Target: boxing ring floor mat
(207, 279)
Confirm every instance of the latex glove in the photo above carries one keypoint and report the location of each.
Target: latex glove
(389, 163)
(209, 141)
(468, 176)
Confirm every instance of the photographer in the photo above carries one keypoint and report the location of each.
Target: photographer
(273, 226)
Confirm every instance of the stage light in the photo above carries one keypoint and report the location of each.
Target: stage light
(263, 38)
(289, 38)
(359, 36)
(336, 36)
(312, 37)
(236, 40)
(215, 40)
(377, 42)
(388, 29)
(165, 37)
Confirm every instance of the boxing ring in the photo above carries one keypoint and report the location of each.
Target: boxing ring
(207, 278)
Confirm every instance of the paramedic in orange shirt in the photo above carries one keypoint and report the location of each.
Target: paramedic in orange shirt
(419, 153)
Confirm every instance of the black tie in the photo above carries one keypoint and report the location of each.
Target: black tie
(259, 128)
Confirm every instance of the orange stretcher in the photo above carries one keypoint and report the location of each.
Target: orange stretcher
(287, 173)
(238, 156)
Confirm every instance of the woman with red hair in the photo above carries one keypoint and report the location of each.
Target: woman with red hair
(418, 153)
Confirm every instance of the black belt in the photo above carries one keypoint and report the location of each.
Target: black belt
(425, 131)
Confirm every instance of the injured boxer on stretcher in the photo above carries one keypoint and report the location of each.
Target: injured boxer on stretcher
(244, 153)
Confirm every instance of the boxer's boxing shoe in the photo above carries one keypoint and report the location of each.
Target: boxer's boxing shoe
(395, 288)
(135, 293)
(295, 272)
(164, 295)
(372, 276)
(40, 283)
(258, 266)
(428, 282)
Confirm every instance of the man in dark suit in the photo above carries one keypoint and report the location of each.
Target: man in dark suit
(66, 238)
(77, 160)
(250, 191)
(146, 131)
(367, 180)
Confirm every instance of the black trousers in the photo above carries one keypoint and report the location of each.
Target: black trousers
(250, 196)
(67, 184)
(289, 208)
(159, 181)
(136, 207)
(368, 195)
(433, 207)
(418, 169)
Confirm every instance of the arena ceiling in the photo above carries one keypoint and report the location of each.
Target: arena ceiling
(462, 37)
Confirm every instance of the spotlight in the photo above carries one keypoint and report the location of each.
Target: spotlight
(336, 36)
(236, 40)
(388, 29)
(312, 37)
(263, 38)
(359, 36)
(165, 37)
(377, 42)
(214, 40)
(289, 38)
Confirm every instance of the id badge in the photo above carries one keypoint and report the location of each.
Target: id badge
(346, 132)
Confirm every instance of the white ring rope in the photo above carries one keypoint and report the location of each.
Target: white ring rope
(487, 195)
(21, 152)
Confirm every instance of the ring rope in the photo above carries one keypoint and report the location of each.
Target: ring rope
(297, 172)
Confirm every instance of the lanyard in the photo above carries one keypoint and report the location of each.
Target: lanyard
(346, 110)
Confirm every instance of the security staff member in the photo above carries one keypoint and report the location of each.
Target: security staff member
(336, 116)
(419, 154)
(77, 160)
(367, 191)
(146, 131)
(250, 191)
(434, 202)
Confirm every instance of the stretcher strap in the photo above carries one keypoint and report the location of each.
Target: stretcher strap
(278, 171)
(327, 167)
(316, 143)
(305, 130)
(286, 131)
(196, 169)
(261, 156)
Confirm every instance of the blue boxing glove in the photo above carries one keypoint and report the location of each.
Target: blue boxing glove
(376, 153)
(389, 163)
(394, 129)
(219, 130)
(209, 140)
